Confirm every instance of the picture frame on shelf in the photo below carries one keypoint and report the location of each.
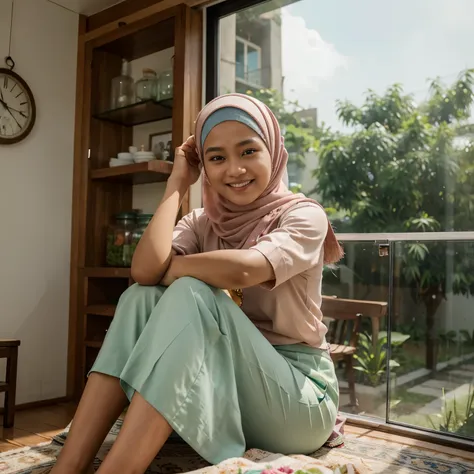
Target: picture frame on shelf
(161, 145)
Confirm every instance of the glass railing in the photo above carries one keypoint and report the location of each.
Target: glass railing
(413, 358)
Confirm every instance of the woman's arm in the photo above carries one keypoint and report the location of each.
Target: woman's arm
(222, 268)
(153, 253)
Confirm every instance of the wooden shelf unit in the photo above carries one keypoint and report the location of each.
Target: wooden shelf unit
(153, 171)
(138, 113)
(99, 191)
(101, 309)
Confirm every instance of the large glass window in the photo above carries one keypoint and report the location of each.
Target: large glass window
(376, 105)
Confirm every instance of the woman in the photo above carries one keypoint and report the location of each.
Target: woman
(186, 356)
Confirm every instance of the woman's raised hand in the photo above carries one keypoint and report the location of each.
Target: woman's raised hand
(187, 166)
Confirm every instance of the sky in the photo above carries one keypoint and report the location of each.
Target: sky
(339, 49)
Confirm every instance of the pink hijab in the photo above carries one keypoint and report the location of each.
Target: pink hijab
(240, 226)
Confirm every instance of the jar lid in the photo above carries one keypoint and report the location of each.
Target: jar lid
(126, 215)
(145, 217)
(147, 70)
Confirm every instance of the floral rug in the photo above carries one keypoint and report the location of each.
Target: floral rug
(358, 456)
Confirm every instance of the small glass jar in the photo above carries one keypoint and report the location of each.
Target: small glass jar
(146, 87)
(142, 223)
(119, 240)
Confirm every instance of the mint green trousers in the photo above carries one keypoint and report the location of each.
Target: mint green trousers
(193, 354)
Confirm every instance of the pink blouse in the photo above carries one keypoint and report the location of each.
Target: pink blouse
(286, 310)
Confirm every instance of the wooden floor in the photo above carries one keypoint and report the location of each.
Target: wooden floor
(39, 425)
(36, 426)
(368, 433)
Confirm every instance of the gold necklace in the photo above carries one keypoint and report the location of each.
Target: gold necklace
(238, 296)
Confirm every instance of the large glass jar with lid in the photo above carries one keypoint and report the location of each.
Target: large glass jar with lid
(147, 87)
(119, 240)
(122, 88)
(142, 223)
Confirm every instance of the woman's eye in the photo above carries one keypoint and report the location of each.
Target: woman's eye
(250, 151)
(216, 158)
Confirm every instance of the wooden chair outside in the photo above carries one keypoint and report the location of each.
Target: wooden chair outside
(343, 337)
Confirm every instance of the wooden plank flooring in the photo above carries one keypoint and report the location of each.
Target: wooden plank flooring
(36, 426)
(368, 433)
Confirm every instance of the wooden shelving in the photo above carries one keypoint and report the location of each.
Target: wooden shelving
(107, 272)
(101, 309)
(154, 171)
(139, 113)
(157, 36)
(102, 192)
(93, 344)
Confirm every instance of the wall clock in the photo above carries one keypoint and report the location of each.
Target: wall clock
(17, 107)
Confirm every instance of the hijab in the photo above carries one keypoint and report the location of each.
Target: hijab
(241, 226)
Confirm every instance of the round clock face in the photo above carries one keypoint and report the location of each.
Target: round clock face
(17, 108)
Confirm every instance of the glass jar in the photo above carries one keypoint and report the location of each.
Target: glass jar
(165, 82)
(142, 223)
(121, 91)
(146, 87)
(119, 240)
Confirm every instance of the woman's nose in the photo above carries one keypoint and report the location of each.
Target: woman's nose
(236, 169)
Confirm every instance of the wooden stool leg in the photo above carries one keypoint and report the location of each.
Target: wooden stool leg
(350, 375)
(10, 394)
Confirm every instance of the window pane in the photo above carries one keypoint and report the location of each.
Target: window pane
(358, 288)
(432, 338)
(391, 148)
(253, 73)
(239, 60)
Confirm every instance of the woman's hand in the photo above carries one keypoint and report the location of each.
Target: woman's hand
(169, 277)
(187, 166)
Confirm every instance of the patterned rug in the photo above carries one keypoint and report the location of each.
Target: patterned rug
(358, 456)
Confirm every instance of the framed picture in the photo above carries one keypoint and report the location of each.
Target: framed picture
(160, 144)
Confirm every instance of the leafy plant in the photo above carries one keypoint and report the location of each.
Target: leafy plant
(373, 360)
(468, 338)
(451, 419)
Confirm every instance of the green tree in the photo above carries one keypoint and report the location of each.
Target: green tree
(407, 167)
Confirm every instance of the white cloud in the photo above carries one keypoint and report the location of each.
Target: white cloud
(308, 60)
(454, 15)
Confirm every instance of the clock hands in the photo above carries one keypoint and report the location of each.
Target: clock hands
(18, 112)
(9, 111)
(3, 102)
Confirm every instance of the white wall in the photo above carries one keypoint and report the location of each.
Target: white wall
(36, 198)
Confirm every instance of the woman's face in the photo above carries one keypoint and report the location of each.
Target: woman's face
(237, 162)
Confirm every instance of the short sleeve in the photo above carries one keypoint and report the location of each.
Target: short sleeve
(296, 245)
(185, 235)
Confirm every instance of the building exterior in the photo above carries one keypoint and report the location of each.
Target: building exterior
(250, 52)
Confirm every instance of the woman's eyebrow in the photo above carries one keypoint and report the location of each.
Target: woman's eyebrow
(247, 141)
(214, 148)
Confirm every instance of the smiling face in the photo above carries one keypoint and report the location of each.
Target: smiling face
(237, 162)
